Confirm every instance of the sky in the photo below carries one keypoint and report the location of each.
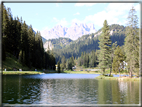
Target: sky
(44, 16)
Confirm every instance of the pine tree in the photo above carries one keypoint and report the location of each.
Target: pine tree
(113, 47)
(104, 46)
(72, 61)
(131, 45)
(117, 64)
(63, 60)
(58, 67)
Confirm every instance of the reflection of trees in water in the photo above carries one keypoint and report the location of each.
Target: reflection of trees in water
(44, 91)
(115, 92)
(123, 86)
(118, 92)
(69, 91)
(132, 92)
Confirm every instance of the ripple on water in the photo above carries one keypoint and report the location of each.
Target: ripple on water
(68, 91)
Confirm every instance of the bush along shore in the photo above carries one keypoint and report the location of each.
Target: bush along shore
(122, 78)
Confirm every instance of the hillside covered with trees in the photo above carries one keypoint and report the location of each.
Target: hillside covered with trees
(89, 42)
(20, 41)
(113, 47)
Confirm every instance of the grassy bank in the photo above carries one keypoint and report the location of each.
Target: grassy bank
(118, 78)
(82, 72)
(12, 63)
(21, 72)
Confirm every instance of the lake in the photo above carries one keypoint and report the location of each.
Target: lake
(67, 89)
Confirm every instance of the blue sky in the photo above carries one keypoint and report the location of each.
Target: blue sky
(44, 16)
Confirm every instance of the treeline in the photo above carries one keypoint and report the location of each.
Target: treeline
(118, 52)
(119, 58)
(88, 59)
(85, 60)
(90, 42)
(67, 64)
(20, 40)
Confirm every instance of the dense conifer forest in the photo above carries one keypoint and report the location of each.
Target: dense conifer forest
(20, 41)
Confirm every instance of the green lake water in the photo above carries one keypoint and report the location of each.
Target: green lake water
(67, 89)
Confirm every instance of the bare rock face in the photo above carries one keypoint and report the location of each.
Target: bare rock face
(48, 46)
(73, 32)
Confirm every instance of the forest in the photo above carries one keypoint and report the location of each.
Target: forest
(117, 52)
(20, 40)
(114, 51)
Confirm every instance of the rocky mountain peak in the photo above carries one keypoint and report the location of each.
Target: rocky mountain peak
(73, 32)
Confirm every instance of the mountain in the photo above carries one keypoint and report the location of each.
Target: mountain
(59, 43)
(44, 40)
(89, 42)
(73, 32)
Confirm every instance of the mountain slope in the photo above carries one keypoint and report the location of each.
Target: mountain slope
(73, 32)
(56, 43)
(90, 42)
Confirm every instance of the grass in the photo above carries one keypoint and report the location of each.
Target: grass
(11, 62)
(50, 71)
(21, 72)
(82, 72)
(117, 78)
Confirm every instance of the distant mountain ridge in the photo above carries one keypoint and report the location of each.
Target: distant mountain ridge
(90, 42)
(73, 32)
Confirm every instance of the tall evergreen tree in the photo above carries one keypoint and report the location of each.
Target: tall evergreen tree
(58, 67)
(113, 47)
(117, 64)
(104, 46)
(63, 60)
(131, 45)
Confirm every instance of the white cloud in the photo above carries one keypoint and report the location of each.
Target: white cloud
(44, 32)
(35, 29)
(57, 5)
(85, 4)
(62, 22)
(77, 13)
(75, 21)
(55, 19)
(115, 13)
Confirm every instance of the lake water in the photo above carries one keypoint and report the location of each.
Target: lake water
(67, 89)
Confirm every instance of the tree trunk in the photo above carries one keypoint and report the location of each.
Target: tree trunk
(110, 71)
(119, 73)
(103, 71)
(130, 74)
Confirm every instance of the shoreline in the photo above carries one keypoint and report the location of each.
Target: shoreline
(46, 72)
(21, 72)
(99, 77)
(118, 78)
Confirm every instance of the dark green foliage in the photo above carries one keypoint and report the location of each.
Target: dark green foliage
(132, 42)
(20, 40)
(87, 59)
(104, 45)
(3, 53)
(63, 60)
(87, 43)
(113, 47)
(118, 59)
(58, 67)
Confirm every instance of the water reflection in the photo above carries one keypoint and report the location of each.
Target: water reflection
(28, 90)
